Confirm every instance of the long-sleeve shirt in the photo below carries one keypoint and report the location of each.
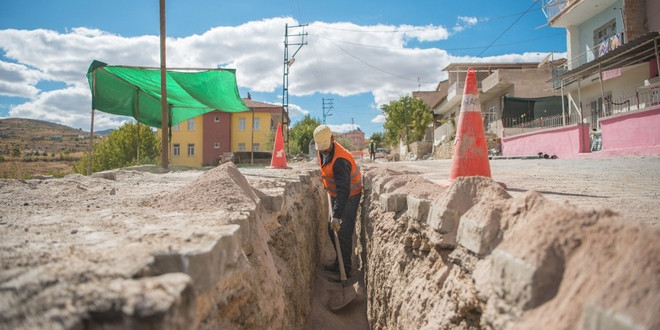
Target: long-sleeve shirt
(342, 169)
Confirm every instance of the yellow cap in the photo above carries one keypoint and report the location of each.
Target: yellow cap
(322, 135)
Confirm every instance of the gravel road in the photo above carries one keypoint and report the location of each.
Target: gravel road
(627, 185)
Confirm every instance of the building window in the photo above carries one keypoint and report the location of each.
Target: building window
(256, 125)
(191, 124)
(241, 147)
(602, 34)
(241, 124)
(191, 149)
(176, 151)
(255, 147)
(176, 127)
(216, 119)
(216, 145)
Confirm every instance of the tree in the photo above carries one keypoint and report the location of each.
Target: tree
(378, 139)
(346, 143)
(119, 149)
(301, 133)
(406, 118)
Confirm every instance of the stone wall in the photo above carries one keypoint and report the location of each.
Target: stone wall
(135, 250)
(470, 256)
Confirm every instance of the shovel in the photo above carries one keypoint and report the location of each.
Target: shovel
(347, 294)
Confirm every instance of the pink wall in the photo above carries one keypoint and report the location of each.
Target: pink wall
(634, 133)
(628, 134)
(563, 142)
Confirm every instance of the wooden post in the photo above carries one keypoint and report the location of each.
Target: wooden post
(163, 90)
(137, 95)
(91, 130)
(252, 141)
(91, 143)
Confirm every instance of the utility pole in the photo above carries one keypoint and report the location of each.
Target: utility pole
(163, 91)
(405, 118)
(298, 40)
(327, 107)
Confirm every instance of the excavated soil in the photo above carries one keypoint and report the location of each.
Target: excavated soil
(62, 236)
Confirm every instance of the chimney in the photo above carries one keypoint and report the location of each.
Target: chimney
(249, 96)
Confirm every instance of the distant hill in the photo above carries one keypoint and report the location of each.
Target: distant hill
(31, 135)
(104, 132)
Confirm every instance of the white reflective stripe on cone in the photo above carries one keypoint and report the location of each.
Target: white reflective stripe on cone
(471, 103)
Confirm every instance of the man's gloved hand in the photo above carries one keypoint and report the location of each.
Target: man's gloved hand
(335, 224)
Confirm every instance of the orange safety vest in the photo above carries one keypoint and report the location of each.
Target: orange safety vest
(328, 174)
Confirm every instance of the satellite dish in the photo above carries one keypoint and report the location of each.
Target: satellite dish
(545, 61)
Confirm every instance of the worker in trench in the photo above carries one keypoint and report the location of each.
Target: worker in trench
(343, 181)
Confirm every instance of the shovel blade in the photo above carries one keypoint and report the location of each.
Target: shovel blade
(342, 298)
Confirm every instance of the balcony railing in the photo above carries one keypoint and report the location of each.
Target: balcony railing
(639, 101)
(514, 126)
(552, 8)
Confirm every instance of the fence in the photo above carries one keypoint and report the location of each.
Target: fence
(513, 126)
(641, 100)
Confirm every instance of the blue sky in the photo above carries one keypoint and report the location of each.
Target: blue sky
(360, 54)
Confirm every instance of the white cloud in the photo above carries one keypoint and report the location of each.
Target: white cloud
(18, 80)
(343, 128)
(425, 33)
(466, 22)
(379, 119)
(341, 59)
(295, 111)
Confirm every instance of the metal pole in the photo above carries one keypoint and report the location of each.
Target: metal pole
(580, 101)
(163, 90)
(657, 59)
(91, 144)
(91, 130)
(252, 141)
(137, 94)
(563, 110)
(602, 95)
(285, 79)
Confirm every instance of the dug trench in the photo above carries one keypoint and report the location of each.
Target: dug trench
(243, 249)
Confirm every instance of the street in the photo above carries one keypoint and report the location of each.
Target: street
(627, 185)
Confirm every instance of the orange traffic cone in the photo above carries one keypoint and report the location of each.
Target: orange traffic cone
(470, 156)
(279, 156)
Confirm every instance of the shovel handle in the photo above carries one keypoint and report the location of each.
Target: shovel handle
(342, 272)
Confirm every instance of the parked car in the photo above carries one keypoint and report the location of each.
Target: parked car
(383, 153)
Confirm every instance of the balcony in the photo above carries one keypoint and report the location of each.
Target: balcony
(552, 8)
(565, 13)
(495, 83)
(454, 97)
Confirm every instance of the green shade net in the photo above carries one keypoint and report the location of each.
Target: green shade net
(135, 92)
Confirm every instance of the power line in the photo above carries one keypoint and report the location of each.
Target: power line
(373, 66)
(427, 28)
(509, 27)
(460, 48)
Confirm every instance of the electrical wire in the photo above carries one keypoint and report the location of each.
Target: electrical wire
(462, 48)
(373, 66)
(507, 29)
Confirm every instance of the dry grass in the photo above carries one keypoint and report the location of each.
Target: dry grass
(28, 170)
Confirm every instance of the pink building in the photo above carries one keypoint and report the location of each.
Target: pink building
(356, 137)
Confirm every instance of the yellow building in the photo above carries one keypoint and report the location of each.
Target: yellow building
(202, 140)
(186, 143)
(255, 130)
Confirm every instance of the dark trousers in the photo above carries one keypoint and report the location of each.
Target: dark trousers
(346, 230)
(372, 155)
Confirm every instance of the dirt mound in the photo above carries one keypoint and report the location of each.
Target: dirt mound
(222, 188)
(485, 260)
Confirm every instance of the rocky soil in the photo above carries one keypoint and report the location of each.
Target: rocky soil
(568, 244)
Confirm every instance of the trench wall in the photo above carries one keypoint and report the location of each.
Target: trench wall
(178, 264)
(469, 256)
